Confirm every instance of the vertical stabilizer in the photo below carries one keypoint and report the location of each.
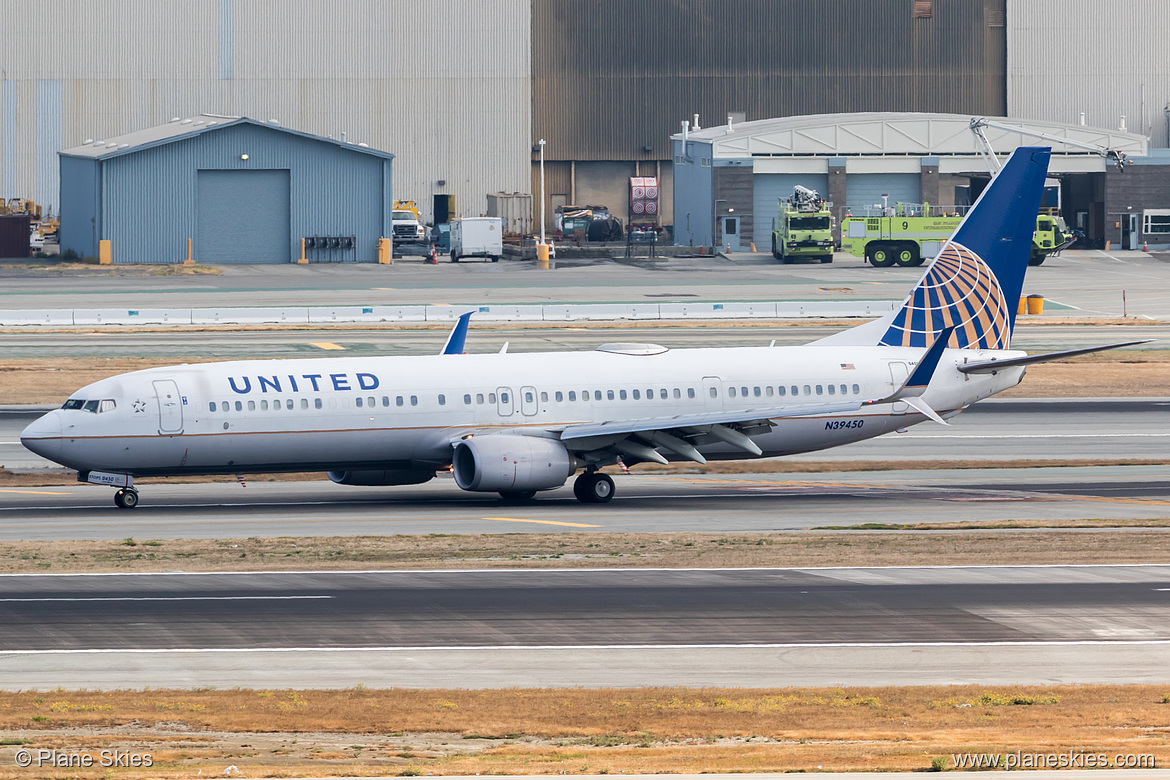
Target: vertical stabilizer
(974, 284)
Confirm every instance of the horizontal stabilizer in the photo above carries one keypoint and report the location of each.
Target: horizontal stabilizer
(988, 366)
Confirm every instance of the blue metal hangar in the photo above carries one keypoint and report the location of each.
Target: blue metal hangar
(242, 190)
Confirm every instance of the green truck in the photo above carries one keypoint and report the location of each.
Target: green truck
(803, 228)
(909, 234)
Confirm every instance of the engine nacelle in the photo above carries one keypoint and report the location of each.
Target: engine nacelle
(380, 477)
(502, 462)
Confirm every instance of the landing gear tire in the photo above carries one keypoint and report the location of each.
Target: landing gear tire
(906, 255)
(517, 495)
(126, 498)
(593, 488)
(881, 256)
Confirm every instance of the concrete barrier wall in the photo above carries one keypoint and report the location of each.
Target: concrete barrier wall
(320, 315)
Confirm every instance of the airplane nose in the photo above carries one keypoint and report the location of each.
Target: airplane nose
(43, 436)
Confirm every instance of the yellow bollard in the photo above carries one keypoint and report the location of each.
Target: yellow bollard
(1035, 304)
(302, 258)
(385, 255)
(190, 257)
(542, 256)
(1022, 307)
(105, 252)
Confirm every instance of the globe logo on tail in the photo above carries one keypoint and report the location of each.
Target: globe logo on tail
(959, 290)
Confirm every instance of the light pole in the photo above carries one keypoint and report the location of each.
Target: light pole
(542, 191)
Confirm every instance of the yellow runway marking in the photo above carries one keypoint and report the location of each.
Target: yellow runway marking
(541, 522)
(35, 492)
(325, 345)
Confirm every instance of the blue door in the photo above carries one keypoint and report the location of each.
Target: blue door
(243, 217)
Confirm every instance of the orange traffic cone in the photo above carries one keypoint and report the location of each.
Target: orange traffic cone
(434, 257)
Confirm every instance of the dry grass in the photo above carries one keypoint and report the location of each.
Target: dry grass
(1079, 544)
(1130, 374)
(529, 731)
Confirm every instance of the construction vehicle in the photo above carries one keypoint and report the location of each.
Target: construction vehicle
(803, 227)
(910, 233)
(406, 223)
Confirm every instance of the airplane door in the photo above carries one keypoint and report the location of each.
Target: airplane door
(528, 403)
(170, 406)
(712, 394)
(505, 401)
(898, 374)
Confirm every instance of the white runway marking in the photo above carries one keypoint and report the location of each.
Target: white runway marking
(174, 598)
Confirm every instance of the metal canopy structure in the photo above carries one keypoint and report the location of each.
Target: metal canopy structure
(903, 135)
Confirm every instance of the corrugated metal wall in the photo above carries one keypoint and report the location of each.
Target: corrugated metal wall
(1065, 57)
(149, 205)
(443, 84)
(612, 82)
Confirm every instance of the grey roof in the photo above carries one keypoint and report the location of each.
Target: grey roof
(101, 149)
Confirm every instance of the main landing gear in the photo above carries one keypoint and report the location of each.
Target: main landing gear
(593, 487)
(126, 498)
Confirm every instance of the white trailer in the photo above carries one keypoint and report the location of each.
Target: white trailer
(477, 237)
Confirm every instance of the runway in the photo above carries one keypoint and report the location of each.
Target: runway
(759, 627)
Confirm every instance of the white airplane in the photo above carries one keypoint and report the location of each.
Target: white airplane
(521, 423)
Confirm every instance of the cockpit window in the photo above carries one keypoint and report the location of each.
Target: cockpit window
(90, 406)
(108, 405)
(73, 403)
(96, 407)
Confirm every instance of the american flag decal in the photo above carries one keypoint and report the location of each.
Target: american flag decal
(848, 367)
(959, 290)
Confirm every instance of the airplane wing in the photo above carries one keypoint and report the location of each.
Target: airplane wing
(989, 366)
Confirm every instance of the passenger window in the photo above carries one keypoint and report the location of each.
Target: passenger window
(288, 404)
(844, 389)
(768, 391)
(239, 406)
(276, 405)
(305, 403)
(370, 402)
(637, 395)
(743, 391)
(398, 400)
(503, 398)
(528, 397)
(677, 393)
(442, 400)
(491, 398)
(479, 398)
(820, 390)
(414, 400)
(781, 390)
(543, 396)
(572, 395)
(316, 403)
(227, 407)
(358, 401)
(832, 389)
(856, 390)
(596, 395)
(690, 392)
(807, 390)
(796, 390)
(714, 393)
(467, 399)
(731, 391)
(107, 405)
(210, 406)
(559, 396)
(609, 394)
(385, 400)
(92, 406)
(622, 394)
(251, 406)
(756, 392)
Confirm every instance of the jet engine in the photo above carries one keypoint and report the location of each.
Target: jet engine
(370, 477)
(507, 462)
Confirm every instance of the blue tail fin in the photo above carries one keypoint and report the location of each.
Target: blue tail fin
(974, 284)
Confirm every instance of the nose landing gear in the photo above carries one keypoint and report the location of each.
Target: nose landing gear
(126, 498)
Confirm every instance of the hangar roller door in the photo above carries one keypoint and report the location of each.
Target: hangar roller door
(243, 217)
(769, 188)
(864, 190)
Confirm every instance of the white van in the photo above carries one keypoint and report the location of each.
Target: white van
(477, 237)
